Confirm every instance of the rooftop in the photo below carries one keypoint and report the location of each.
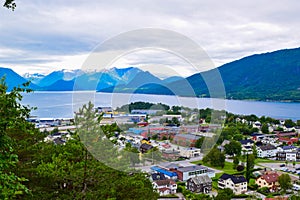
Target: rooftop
(270, 178)
(164, 171)
(235, 179)
(187, 136)
(201, 179)
(267, 147)
(246, 141)
(191, 168)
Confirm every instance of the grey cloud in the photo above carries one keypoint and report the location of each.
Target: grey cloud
(227, 30)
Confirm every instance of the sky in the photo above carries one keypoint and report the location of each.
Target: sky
(43, 36)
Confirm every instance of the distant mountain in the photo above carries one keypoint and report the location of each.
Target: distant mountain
(79, 80)
(55, 76)
(60, 85)
(268, 76)
(13, 79)
(34, 78)
(141, 80)
(172, 79)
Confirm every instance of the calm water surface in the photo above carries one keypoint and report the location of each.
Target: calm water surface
(63, 104)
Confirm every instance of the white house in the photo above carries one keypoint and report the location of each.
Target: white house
(190, 152)
(238, 184)
(266, 151)
(165, 187)
(256, 124)
(287, 148)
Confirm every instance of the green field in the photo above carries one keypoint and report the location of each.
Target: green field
(228, 168)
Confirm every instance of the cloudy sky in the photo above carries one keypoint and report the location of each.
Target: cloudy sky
(42, 36)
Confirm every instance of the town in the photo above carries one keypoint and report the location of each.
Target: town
(185, 156)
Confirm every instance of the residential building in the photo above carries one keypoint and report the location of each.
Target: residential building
(247, 142)
(289, 148)
(184, 173)
(288, 140)
(238, 184)
(222, 146)
(256, 124)
(266, 151)
(144, 111)
(257, 136)
(289, 156)
(199, 184)
(157, 176)
(186, 140)
(171, 154)
(190, 152)
(165, 187)
(269, 180)
(286, 134)
(270, 139)
(247, 146)
(145, 147)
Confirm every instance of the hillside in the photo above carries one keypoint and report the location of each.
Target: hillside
(13, 79)
(269, 76)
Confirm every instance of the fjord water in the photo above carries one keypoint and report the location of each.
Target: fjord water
(64, 104)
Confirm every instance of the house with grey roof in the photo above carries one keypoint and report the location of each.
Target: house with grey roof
(199, 184)
(266, 151)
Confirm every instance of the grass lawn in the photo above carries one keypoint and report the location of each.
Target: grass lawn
(228, 168)
(264, 160)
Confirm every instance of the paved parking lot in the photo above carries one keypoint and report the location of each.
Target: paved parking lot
(289, 167)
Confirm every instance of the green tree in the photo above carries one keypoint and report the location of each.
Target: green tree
(13, 117)
(284, 181)
(133, 155)
(254, 151)
(199, 142)
(233, 148)
(10, 4)
(215, 158)
(289, 123)
(265, 128)
(249, 166)
(72, 170)
(236, 162)
(225, 194)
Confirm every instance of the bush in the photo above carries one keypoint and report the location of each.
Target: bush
(241, 196)
(240, 168)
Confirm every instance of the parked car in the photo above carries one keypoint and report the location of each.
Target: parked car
(296, 187)
(282, 165)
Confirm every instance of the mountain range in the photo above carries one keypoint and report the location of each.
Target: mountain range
(268, 76)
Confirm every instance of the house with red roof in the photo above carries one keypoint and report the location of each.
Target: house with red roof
(269, 180)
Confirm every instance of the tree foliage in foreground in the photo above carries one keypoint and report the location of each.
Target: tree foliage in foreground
(284, 182)
(10, 4)
(12, 120)
(33, 169)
